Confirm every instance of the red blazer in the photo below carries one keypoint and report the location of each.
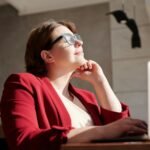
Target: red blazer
(34, 118)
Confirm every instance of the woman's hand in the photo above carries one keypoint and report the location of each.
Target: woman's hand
(89, 71)
(123, 127)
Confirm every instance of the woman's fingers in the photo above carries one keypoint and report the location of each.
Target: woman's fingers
(84, 66)
(139, 123)
(135, 130)
(135, 126)
(87, 65)
(129, 126)
(89, 71)
(125, 127)
(142, 124)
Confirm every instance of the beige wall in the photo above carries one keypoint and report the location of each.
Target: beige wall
(130, 65)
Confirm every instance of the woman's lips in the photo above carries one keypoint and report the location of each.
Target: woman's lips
(78, 52)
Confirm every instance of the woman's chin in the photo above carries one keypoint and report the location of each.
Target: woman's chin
(81, 61)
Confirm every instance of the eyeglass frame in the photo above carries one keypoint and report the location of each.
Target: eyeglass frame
(64, 36)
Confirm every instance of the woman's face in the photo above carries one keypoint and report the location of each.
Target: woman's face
(68, 50)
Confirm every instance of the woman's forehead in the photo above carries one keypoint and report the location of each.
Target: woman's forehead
(61, 30)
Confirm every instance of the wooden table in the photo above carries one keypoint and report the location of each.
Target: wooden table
(108, 146)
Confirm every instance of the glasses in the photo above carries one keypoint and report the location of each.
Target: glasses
(68, 38)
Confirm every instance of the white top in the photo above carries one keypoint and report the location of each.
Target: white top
(78, 113)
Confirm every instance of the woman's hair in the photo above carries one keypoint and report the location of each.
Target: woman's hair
(40, 39)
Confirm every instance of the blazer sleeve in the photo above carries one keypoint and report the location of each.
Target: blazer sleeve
(108, 116)
(98, 113)
(19, 119)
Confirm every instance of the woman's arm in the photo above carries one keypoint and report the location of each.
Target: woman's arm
(105, 94)
(113, 130)
(93, 73)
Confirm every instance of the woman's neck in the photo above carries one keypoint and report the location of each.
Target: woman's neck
(60, 81)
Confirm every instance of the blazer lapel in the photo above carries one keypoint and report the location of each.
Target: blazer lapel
(64, 117)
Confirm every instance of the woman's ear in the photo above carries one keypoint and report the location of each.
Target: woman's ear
(47, 56)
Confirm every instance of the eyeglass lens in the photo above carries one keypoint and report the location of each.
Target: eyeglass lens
(71, 39)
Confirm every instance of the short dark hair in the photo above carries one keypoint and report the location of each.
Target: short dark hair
(40, 39)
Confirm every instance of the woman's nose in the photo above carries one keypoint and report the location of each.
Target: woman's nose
(78, 43)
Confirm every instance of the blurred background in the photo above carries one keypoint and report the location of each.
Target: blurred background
(105, 41)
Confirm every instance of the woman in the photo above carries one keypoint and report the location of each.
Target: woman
(40, 109)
